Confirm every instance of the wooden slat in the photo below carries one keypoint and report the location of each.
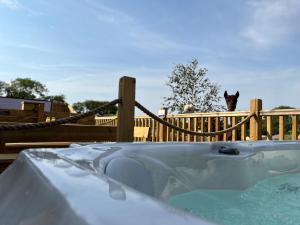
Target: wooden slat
(243, 129)
(168, 130)
(294, 127)
(195, 121)
(156, 131)
(189, 128)
(269, 128)
(209, 128)
(217, 127)
(172, 130)
(281, 128)
(163, 132)
(225, 126)
(183, 127)
(153, 129)
(177, 132)
(202, 125)
(234, 132)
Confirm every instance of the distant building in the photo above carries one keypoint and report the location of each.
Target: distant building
(16, 103)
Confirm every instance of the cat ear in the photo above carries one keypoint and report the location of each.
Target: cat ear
(225, 94)
(237, 94)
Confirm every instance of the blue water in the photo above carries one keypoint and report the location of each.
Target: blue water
(273, 201)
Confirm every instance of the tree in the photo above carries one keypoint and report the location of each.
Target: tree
(189, 85)
(56, 98)
(3, 86)
(28, 89)
(88, 105)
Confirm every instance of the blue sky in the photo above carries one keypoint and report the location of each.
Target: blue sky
(81, 48)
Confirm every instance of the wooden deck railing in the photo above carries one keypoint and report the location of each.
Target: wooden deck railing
(282, 115)
(216, 121)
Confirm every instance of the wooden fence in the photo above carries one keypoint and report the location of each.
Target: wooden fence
(258, 128)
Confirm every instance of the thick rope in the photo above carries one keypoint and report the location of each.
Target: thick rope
(70, 119)
(153, 116)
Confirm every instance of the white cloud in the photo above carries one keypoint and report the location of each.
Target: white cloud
(272, 22)
(12, 4)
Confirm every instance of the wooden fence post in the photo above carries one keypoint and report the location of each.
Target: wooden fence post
(125, 126)
(294, 127)
(40, 112)
(255, 121)
(281, 128)
(163, 130)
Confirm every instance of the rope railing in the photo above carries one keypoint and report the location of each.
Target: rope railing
(70, 119)
(153, 116)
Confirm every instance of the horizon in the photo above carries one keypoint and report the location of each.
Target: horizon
(82, 48)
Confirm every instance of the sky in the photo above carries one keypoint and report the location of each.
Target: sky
(81, 48)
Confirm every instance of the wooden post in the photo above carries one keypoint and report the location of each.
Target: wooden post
(183, 127)
(243, 130)
(126, 109)
(195, 128)
(40, 112)
(153, 129)
(172, 130)
(281, 128)
(217, 127)
(177, 132)
(189, 128)
(157, 131)
(255, 121)
(209, 126)
(202, 126)
(294, 127)
(168, 130)
(269, 128)
(162, 132)
(234, 132)
(225, 126)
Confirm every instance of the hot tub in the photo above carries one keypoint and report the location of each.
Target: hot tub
(154, 183)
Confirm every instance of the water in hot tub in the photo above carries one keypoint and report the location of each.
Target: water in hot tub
(273, 201)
